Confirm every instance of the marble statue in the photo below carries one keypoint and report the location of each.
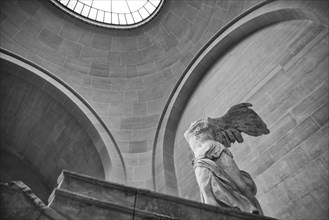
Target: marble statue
(220, 180)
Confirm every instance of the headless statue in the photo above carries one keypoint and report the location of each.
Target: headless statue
(220, 180)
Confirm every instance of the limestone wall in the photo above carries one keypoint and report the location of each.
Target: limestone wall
(282, 70)
(13, 169)
(126, 76)
(39, 129)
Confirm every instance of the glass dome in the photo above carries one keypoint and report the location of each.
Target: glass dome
(112, 13)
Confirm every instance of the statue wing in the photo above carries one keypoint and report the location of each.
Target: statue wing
(239, 118)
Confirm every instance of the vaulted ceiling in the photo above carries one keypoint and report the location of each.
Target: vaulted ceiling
(129, 78)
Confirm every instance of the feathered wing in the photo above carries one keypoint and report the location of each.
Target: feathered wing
(239, 118)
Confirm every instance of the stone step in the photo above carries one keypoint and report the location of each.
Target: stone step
(141, 200)
(77, 206)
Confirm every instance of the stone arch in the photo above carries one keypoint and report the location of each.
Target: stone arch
(100, 137)
(256, 18)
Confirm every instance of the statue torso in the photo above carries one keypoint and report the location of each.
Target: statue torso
(200, 136)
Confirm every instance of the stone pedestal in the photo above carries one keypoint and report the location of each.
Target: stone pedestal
(82, 197)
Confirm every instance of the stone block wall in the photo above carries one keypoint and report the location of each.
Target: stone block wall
(12, 168)
(126, 76)
(38, 129)
(282, 70)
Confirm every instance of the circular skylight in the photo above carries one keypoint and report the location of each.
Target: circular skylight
(112, 13)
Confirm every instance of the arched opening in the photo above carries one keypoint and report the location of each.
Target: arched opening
(221, 88)
(45, 125)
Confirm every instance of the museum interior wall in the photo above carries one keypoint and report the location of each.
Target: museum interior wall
(14, 168)
(290, 92)
(129, 78)
(127, 75)
(36, 129)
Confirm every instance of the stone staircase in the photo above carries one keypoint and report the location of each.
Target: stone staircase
(82, 197)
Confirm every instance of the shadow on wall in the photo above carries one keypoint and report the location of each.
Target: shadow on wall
(13, 168)
(42, 125)
(66, 132)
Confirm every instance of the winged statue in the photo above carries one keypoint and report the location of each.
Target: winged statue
(220, 180)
